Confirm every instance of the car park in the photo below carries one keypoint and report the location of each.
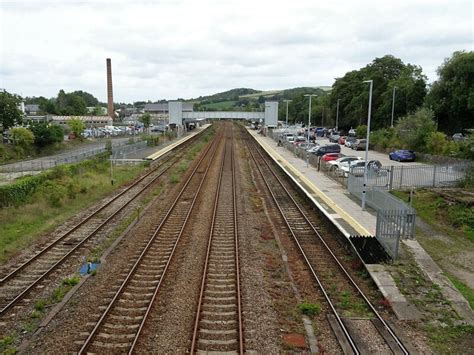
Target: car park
(359, 144)
(402, 155)
(328, 148)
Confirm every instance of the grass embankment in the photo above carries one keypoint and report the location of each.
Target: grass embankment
(455, 222)
(67, 190)
(449, 239)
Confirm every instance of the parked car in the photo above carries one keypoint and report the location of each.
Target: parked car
(356, 167)
(373, 167)
(290, 139)
(328, 148)
(458, 137)
(331, 156)
(343, 160)
(334, 138)
(298, 140)
(307, 146)
(342, 140)
(349, 141)
(359, 144)
(402, 155)
(313, 149)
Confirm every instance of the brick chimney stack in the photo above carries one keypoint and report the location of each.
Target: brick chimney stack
(110, 94)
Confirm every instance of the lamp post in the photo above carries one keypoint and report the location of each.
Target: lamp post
(367, 143)
(309, 123)
(393, 104)
(287, 102)
(337, 115)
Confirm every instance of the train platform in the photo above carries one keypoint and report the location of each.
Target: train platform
(345, 212)
(173, 144)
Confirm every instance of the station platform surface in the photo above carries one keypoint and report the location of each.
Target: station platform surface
(173, 144)
(347, 215)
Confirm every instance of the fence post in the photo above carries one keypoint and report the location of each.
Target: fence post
(434, 175)
(390, 184)
(401, 177)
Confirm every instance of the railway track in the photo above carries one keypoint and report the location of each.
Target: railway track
(218, 323)
(119, 326)
(20, 281)
(323, 265)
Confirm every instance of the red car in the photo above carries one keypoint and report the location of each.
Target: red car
(332, 156)
(342, 140)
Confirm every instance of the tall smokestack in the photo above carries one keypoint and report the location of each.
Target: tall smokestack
(110, 94)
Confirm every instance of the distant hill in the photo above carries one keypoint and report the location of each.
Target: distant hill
(245, 99)
(230, 95)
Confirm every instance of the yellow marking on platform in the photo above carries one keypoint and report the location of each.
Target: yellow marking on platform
(165, 150)
(347, 217)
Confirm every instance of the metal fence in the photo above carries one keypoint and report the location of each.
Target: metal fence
(395, 219)
(26, 167)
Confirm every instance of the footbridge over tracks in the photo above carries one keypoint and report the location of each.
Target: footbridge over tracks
(178, 117)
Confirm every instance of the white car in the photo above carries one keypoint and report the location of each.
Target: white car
(344, 168)
(335, 164)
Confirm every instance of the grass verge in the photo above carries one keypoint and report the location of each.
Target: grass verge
(69, 190)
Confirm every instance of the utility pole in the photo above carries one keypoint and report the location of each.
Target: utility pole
(371, 82)
(393, 104)
(287, 101)
(309, 123)
(337, 115)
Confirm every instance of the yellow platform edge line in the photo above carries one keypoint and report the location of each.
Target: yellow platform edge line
(347, 217)
(165, 150)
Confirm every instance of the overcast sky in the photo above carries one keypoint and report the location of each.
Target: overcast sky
(171, 49)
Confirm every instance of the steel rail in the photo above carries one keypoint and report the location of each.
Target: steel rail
(91, 215)
(399, 343)
(18, 297)
(208, 252)
(237, 262)
(99, 323)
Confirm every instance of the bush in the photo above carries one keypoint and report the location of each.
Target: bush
(22, 137)
(436, 143)
(309, 309)
(361, 131)
(414, 129)
(46, 133)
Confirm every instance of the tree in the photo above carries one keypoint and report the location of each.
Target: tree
(146, 120)
(46, 133)
(452, 95)
(22, 137)
(77, 127)
(10, 114)
(414, 129)
(386, 72)
(89, 99)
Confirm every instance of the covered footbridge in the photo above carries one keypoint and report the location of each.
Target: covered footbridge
(179, 117)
